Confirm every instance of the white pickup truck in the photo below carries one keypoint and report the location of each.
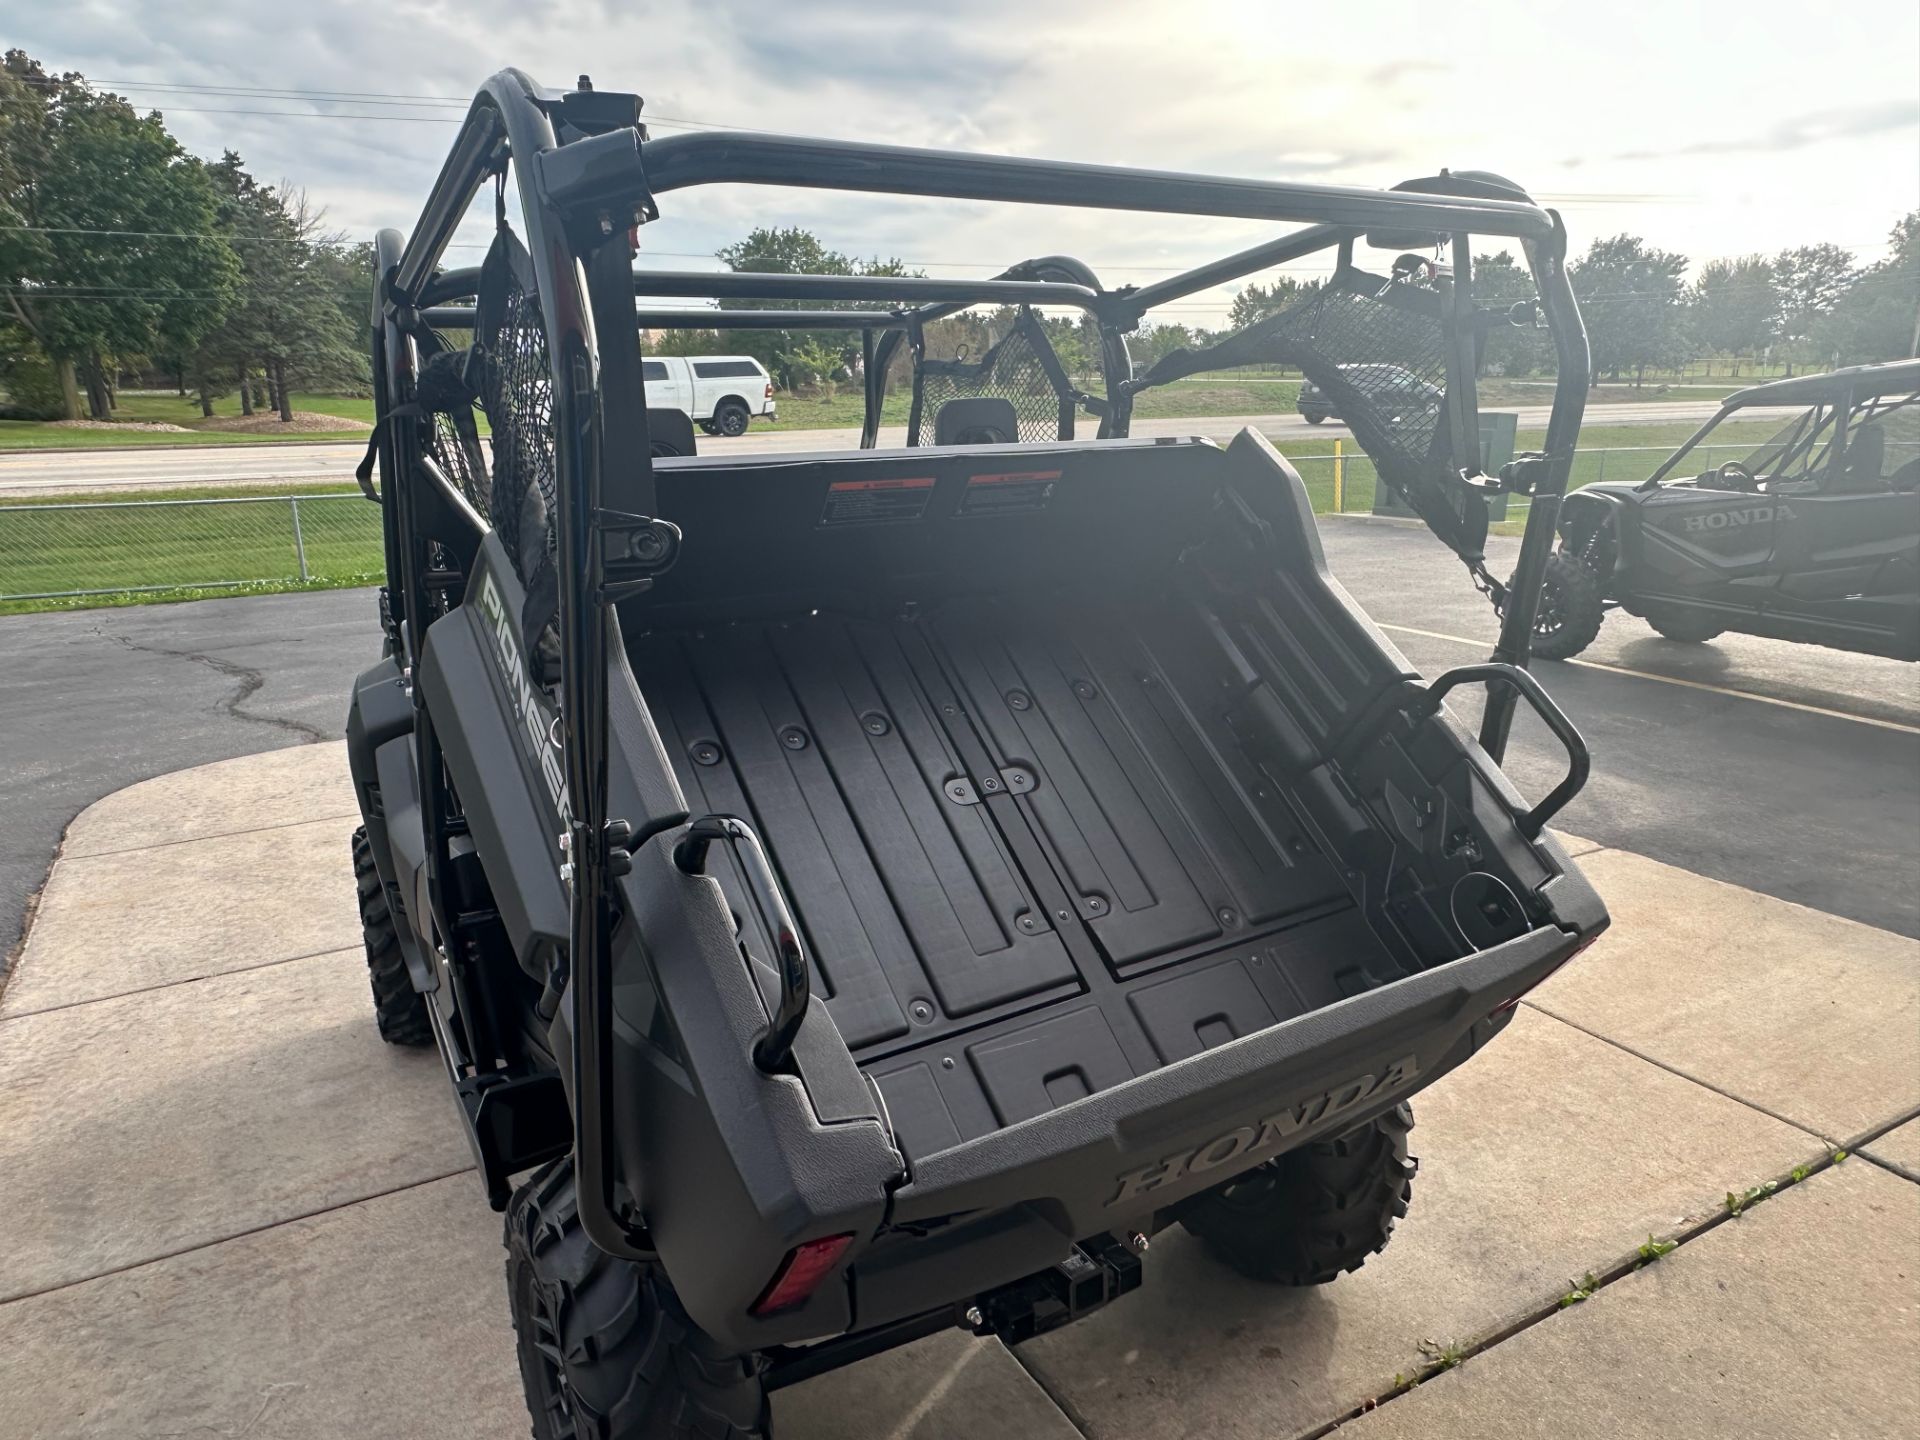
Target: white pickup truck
(720, 392)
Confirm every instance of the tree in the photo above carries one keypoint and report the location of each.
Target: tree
(1877, 316)
(1808, 283)
(1735, 306)
(794, 251)
(1631, 298)
(1500, 283)
(1151, 344)
(1257, 301)
(113, 258)
(302, 304)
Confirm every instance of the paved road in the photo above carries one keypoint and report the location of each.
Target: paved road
(98, 699)
(1787, 769)
(49, 471)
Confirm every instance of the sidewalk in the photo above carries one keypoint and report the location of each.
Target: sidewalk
(233, 1211)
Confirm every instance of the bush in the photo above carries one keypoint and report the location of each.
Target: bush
(29, 387)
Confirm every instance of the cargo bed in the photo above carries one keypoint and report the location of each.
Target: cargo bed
(1050, 816)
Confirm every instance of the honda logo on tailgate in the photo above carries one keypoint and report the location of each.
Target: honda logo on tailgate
(1238, 1147)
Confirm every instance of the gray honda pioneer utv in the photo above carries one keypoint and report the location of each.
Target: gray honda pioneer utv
(861, 894)
(1814, 536)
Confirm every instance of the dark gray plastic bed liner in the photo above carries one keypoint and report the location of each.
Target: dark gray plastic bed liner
(1029, 861)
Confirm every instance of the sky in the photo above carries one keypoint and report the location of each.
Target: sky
(1715, 130)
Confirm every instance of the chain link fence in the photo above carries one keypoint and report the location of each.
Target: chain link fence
(69, 551)
(97, 549)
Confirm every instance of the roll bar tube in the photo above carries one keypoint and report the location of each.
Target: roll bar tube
(675, 162)
(1548, 261)
(462, 317)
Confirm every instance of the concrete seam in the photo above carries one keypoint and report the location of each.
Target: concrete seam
(171, 984)
(237, 1235)
(1615, 1272)
(1060, 1402)
(1676, 1071)
(218, 835)
(1892, 1167)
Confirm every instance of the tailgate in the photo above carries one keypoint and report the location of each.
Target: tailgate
(1109, 1161)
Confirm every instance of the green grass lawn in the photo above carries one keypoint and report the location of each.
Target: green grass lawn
(181, 410)
(245, 544)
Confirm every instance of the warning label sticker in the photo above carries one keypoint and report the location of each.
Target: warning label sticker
(1008, 494)
(877, 502)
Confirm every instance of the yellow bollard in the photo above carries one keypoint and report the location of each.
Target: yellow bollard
(1339, 480)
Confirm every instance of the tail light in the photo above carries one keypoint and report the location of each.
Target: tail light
(769, 390)
(800, 1274)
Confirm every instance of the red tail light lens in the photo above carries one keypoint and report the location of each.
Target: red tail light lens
(800, 1274)
(769, 390)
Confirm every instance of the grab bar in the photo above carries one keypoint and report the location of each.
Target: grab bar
(774, 1048)
(1579, 760)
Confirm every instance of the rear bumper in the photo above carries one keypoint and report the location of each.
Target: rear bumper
(1110, 1162)
(989, 1212)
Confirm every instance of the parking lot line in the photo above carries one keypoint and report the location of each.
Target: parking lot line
(1676, 680)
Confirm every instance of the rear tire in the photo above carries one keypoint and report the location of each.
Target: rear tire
(1690, 628)
(606, 1352)
(731, 419)
(1316, 418)
(1313, 1214)
(400, 1009)
(1570, 608)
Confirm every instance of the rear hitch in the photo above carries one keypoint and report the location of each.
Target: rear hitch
(1094, 1273)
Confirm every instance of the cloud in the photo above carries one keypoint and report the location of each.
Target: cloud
(1797, 132)
(1350, 95)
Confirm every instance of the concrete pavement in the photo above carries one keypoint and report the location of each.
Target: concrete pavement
(52, 471)
(233, 1211)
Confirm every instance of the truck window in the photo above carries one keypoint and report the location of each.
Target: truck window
(653, 370)
(724, 369)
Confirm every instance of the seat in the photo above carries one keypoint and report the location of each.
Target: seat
(1860, 469)
(977, 420)
(671, 432)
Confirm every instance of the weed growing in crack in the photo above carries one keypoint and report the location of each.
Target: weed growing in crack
(1578, 1290)
(1737, 1203)
(1653, 1250)
(1444, 1357)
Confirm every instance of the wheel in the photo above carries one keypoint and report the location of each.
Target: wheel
(731, 418)
(709, 427)
(1313, 1214)
(397, 1006)
(606, 1352)
(1679, 626)
(1570, 612)
(1316, 418)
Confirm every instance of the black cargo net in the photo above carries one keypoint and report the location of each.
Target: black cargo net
(449, 400)
(1019, 368)
(1376, 350)
(515, 385)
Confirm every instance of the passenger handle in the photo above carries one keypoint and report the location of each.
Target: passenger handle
(774, 1048)
(1579, 760)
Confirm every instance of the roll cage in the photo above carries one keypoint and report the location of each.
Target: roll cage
(1816, 441)
(556, 362)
